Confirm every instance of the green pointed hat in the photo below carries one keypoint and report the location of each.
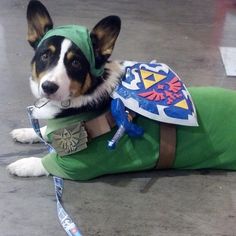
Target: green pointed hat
(80, 36)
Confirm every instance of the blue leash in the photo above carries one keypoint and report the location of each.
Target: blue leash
(66, 222)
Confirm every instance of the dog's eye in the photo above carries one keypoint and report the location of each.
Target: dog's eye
(45, 56)
(75, 63)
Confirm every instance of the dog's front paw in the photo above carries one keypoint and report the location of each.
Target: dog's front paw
(24, 135)
(27, 135)
(27, 167)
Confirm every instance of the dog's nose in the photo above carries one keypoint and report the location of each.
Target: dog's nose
(49, 87)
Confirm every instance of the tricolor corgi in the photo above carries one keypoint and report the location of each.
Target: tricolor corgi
(74, 83)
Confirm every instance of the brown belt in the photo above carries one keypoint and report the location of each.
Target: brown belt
(105, 122)
(167, 146)
(102, 124)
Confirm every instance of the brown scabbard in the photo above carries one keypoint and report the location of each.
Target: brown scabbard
(167, 146)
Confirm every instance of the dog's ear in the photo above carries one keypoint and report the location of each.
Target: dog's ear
(103, 37)
(39, 22)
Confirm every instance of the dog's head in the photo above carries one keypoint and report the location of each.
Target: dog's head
(69, 60)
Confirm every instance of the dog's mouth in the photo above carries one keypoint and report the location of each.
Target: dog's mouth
(41, 102)
(55, 97)
(45, 98)
(61, 97)
(54, 92)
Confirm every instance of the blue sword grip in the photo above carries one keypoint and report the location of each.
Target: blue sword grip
(118, 135)
(120, 116)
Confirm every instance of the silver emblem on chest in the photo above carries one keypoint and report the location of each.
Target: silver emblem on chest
(70, 140)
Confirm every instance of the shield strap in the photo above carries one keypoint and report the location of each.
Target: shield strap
(167, 146)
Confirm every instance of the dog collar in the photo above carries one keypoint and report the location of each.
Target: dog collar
(80, 36)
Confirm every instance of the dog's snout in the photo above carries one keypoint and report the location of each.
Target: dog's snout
(49, 87)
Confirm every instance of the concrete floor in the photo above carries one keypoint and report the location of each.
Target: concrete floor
(186, 35)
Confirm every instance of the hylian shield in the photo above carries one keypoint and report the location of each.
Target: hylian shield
(155, 91)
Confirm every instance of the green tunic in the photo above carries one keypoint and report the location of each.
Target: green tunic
(211, 145)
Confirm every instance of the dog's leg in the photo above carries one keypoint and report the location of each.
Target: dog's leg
(27, 167)
(27, 135)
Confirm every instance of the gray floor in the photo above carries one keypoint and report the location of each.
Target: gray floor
(186, 35)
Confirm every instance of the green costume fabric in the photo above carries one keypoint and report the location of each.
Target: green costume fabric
(211, 145)
(80, 36)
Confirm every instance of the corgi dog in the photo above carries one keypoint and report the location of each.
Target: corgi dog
(72, 76)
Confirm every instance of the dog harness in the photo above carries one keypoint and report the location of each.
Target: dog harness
(80, 36)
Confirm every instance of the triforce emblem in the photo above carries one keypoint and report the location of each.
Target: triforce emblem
(70, 139)
(155, 91)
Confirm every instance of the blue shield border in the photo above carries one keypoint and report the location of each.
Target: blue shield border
(155, 91)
